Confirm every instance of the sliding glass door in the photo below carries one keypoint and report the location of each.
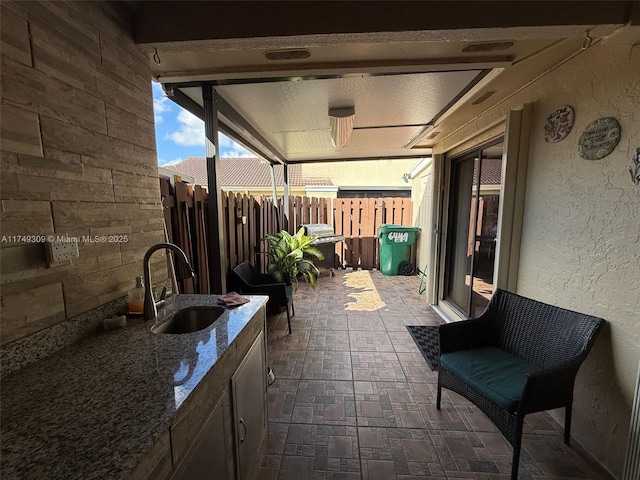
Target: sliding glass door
(473, 228)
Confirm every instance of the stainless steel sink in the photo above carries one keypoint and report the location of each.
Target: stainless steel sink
(189, 320)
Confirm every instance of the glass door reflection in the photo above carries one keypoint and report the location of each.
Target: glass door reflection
(473, 229)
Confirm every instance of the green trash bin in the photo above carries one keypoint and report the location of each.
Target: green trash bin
(395, 248)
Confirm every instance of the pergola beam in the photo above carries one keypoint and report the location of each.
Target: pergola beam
(216, 244)
(285, 199)
(275, 194)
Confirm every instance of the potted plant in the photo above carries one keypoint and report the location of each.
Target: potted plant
(291, 255)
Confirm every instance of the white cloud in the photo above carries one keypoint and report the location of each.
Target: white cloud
(225, 142)
(190, 132)
(166, 163)
(161, 104)
(238, 153)
(231, 149)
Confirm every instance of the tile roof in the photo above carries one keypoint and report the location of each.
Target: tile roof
(491, 171)
(244, 172)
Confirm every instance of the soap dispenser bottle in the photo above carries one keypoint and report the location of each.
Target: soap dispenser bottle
(136, 299)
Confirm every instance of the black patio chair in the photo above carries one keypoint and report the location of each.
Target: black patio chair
(520, 356)
(250, 280)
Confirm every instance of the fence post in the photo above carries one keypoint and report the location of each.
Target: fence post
(199, 201)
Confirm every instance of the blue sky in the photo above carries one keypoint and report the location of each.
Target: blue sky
(180, 134)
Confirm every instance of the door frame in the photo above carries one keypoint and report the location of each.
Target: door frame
(514, 128)
(476, 154)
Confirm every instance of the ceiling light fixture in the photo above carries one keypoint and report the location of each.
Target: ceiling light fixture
(483, 97)
(341, 120)
(487, 46)
(433, 134)
(288, 54)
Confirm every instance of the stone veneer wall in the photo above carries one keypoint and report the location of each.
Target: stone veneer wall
(78, 158)
(580, 244)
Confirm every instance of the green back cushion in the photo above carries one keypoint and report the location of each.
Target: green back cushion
(493, 372)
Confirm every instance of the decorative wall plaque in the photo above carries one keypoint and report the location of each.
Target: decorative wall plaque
(634, 168)
(599, 138)
(559, 124)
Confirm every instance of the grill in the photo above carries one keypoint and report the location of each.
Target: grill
(325, 240)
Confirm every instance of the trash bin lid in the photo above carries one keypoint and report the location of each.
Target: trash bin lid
(388, 227)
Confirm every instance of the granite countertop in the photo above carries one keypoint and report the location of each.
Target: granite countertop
(93, 409)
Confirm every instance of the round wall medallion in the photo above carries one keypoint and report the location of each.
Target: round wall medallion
(599, 138)
(634, 168)
(559, 124)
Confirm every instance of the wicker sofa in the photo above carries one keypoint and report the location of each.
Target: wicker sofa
(520, 356)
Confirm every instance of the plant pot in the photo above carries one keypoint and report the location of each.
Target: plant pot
(291, 281)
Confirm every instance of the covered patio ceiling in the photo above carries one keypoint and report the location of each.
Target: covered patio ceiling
(413, 71)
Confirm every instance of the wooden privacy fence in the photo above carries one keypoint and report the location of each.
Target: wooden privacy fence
(302, 210)
(247, 219)
(358, 220)
(185, 221)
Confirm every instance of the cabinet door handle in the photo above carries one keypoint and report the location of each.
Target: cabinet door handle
(245, 430)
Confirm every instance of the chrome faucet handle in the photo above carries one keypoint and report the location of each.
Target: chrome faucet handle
(163, 295)
(161, 301)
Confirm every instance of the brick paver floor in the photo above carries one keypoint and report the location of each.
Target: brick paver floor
(354, 398)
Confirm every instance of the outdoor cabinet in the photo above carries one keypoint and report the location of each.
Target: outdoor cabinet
(208, 456)
(248, 387)
(219, 430)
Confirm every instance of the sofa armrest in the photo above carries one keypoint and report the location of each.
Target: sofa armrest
(465, 334)
(549, 388)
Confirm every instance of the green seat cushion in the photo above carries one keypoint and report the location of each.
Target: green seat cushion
(493, 372)
(289, 290)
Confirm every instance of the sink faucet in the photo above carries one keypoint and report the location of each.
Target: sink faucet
(183, 266)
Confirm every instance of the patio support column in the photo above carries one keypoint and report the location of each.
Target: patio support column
(285, 199)
(511, 207)
(275, 195)
(216, 241)
(434, 230)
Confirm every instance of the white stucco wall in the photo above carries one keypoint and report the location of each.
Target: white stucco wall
(422, 186)
(581, 236)
(362, 173)
(581, 230)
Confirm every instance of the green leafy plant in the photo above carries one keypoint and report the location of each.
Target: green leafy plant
(290, 256)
